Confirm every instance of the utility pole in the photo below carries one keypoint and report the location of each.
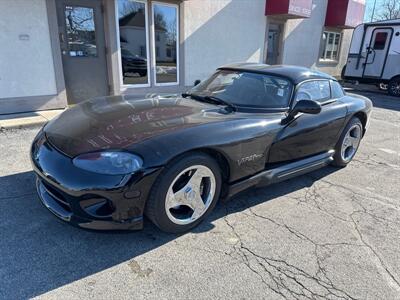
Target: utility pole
(373, 11)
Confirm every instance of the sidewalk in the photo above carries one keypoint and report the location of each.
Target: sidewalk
(13, 121)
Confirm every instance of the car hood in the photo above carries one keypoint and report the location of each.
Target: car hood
(118, 122)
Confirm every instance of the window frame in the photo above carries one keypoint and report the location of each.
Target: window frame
(324, 46)
(153, 50)
(331, 87)
(124, 86)
(322, 101)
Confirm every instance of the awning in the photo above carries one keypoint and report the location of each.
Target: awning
(289, 9)
(345, 13)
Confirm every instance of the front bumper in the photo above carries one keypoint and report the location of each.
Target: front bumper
(86, 199)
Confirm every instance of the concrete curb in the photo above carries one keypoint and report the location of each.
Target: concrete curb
(26, 120)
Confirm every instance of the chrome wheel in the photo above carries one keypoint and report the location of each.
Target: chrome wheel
(190, 195)
(350, 142)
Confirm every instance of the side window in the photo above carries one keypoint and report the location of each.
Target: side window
(317, 90)
(337, 91)
(380, 40)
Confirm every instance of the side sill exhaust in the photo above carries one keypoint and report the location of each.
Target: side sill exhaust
(282, 173)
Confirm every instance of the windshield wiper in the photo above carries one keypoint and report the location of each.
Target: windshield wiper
(194, 96)
(210, 99)
(220, 101)
(185, 95)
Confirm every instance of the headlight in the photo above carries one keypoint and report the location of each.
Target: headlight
(109, 163)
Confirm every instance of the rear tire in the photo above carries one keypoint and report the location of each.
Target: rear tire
(347, 146)
(185, 193)
(394, 86)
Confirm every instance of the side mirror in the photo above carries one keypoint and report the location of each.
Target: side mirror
(303, 106)
(307, 107)
(196, 82)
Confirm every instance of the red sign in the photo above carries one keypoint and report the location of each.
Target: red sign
(289, 8)
(345, 13)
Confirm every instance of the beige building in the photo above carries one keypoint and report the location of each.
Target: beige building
(59, 52)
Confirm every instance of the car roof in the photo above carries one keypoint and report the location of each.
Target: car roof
(294, 73)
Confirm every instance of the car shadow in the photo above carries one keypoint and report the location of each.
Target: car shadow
(39, 253)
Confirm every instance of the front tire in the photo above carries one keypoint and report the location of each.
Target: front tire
(185, 193)
(348, 143)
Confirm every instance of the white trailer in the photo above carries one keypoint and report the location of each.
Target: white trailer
(374, 55)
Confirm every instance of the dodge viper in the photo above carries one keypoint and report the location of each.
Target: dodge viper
(108, 162)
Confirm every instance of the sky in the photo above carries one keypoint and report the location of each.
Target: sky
(369, 8)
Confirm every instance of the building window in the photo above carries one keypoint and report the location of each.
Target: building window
(165, 20)
(143, 51)
(81, 36)
(133, 31)
(330, 44)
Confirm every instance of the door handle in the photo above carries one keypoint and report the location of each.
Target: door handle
(62, 39)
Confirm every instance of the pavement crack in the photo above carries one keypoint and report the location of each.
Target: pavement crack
(285, 279)
(391, 276)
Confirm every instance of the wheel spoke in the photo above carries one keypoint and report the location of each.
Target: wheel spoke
(353, 141)
(175, 199)
(196, 179)
(198, 206)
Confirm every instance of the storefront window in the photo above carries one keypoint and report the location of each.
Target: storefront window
(330, 43)
(165, 18)
(81, 35)
(132, 19)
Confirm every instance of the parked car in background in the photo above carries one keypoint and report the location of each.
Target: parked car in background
(374, 55)
(172, 158)
(132, 63)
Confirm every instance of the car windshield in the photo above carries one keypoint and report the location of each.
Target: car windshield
(246, 89)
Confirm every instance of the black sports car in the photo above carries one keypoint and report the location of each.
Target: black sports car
(105, 163)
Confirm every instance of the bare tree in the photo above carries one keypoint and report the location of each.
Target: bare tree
(172, 31)
(159, 20)
(389, 9)
(128, 7)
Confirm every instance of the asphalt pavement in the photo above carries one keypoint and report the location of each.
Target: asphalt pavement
(331, 234)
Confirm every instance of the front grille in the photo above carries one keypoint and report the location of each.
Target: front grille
(57, 196)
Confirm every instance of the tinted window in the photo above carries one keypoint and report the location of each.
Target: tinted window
(81, 35)
(336, 89)
(247, 89)
(317, 90)
(380, 40)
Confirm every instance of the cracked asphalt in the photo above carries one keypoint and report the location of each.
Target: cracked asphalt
(331, 234)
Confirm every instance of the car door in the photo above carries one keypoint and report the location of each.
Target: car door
(308, 134)
(377, 52)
